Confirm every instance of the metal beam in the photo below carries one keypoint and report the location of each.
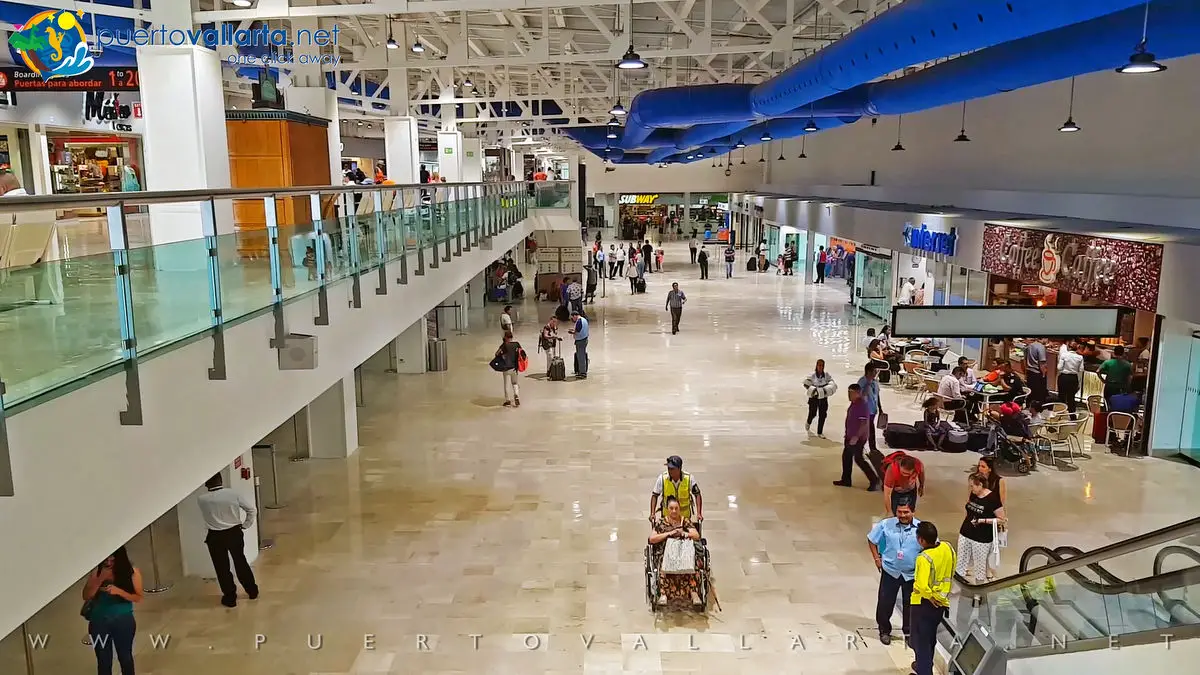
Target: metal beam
(376, 8)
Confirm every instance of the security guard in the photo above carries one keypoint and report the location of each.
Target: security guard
(931, 594)
(675, 483)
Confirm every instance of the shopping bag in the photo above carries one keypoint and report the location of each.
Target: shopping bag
(522, 361)
(994, 554)
(881, 420)
(679, 557)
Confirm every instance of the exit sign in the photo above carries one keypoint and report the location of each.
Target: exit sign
(448, 151)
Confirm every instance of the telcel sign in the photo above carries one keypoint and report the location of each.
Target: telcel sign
(924, 239)
(638, 199)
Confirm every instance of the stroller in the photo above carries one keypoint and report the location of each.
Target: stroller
(1011, 440)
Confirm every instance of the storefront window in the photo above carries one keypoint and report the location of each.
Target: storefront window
(873, 275)
(1176, 422)
(92, 163)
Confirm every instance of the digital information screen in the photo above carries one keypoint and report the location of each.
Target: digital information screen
(96, 79)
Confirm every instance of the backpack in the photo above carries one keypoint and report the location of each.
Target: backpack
(730, 256)
(890, 461)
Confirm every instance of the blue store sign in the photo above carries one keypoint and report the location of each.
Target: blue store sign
(924, 239)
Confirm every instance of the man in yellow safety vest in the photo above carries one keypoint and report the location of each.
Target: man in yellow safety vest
(931, 595)
(675, 483)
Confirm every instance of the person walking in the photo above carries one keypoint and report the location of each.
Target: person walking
(647, 256)
(985, 515)
(1070, 372)
(869, 383)
(1036, 370)
(227, 515)
(508, 358)
(820, 386)
(693, 247)
(930, 599)
(762, 256)
(730, 258)
(580, 331)
(675, 302)
(616, 265)
(109, 594)
(822, 261)
(633, 275)
(702, 258)
(506, 320)
(858, 418)
(893, 545)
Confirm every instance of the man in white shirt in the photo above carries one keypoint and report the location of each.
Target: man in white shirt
(950, 389)
(227, 514)
(907, 290)
(1070, 373)
(506, 320)
(968, 378)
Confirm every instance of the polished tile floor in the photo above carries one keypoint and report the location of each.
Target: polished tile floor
(525, 527)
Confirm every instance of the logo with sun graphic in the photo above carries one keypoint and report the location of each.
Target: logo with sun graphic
(53, 44)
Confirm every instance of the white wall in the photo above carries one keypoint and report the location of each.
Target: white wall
(1151, 658)
(87, 486)
(698, 177)
(1130, 143)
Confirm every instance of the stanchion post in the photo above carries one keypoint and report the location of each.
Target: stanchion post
(156, 586)
(263, 544)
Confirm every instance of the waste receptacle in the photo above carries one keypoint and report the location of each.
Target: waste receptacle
(437, 355)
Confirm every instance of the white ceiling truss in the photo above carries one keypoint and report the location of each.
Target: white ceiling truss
(527, 51)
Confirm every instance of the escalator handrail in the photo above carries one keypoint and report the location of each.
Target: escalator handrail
(1106, 577)
(1136, 543)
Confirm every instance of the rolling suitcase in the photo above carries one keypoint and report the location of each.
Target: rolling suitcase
(904, 437)
(752, 264)
(639, 285)
(558, 367)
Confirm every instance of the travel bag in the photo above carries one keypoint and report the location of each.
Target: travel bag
(956, 440)
(904, 436)
(752, 264)
(639, 285)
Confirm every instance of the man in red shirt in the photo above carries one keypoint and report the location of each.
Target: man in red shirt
(903, 482)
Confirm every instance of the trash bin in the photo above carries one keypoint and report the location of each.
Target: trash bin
(437, 355)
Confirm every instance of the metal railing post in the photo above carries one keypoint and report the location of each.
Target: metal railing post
(208, 217)
(271, 216)
(434, 213)
(323, 262)
(459, 220)
(263, 544)
(381, 245)
(156, 585)
(6, 476)
(118, 241)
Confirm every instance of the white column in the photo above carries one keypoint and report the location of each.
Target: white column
(333, 421)
(402, 152)
(472, 161)
(478, 290)
(321, 102)
(186, 147)
(411, 346)
(450, 160)
(192, 530)
(810, 257)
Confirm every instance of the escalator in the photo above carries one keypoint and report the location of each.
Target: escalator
(1064, 599)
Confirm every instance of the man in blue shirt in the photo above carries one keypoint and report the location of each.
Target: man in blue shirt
(893, 543)
(580, 331)
(869, 383)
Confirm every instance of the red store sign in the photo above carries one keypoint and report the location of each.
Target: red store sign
(1115, 271)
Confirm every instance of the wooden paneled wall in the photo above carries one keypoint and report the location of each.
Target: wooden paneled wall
(274, 153)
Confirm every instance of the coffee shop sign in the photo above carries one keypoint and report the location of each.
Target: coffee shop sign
(924, 239)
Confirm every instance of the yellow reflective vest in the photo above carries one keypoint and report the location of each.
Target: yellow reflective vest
(934, 574)
(683, 493)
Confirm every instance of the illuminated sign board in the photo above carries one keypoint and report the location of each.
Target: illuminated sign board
(638, 199)
(924, 239)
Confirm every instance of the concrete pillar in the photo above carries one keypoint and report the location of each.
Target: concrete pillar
(472, 160)
(687, 213)
(411, 348)
(450, 156)
(477, 291)
(402, 150)
(192, 530)
(186, 147)
(332, 421)
(810, 257)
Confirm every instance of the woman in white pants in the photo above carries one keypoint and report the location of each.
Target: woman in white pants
(984, 514)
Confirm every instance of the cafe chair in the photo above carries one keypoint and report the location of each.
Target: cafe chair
(923, 376)
(1122, 427)
(1055, 409)
(1022, 398)
(1062, 431)
(1095, 406)
(909, 376)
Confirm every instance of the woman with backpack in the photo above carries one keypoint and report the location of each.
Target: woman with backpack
(820, 386)
(508, 362)
(632, 273)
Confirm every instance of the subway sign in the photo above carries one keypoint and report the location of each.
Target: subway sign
(637, 199)
(924, 239)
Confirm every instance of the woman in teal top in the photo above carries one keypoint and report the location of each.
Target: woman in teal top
(108, 598)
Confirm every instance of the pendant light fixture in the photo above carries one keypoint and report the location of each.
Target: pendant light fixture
(898, 147)
(766, 136)
(617, 110)
(962, 132)
(743, 154)
(468, 84)
(857, 9)
(762, 154)
(630, 60)
(713, 165)
(235, 3)
(781, 157)
(811, 126)
(1070, 126)
(417, 47)
(740, 144)
(614, 122)
(1142, 62)
(391, 41)
(612, 132)
(803, 143)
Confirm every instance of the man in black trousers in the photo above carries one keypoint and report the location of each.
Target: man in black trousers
(227, 515)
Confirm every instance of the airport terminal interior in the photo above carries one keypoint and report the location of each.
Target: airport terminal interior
(368, 337)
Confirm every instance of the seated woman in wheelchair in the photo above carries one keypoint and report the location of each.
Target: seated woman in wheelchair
(677, 587)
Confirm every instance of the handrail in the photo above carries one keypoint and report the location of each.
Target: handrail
(71, 201)
(1136, 543)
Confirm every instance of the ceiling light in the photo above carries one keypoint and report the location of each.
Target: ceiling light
(241, 3)
(857, 9)
(898, 147)
(740, 144)
(811, 126)
(391, 43)
(962, 132)
(468, 84)
(762, 160)
(781, 157)
(360, 123)
(1141, 62)
(962, 138)
(766, 137)
(1069, 126)
(614, 122)
(617, 109)
(803, 143)
(899, 125)
(612, 133)
(631, 60)
(418, 48)
(690, 156)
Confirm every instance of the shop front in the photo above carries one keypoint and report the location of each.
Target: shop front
(872, 281)
(640, 214)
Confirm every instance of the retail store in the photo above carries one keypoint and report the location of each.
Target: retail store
(642, 213)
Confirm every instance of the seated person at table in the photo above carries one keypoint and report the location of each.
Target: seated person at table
(682, 588)
(1008, 382)
(868, 338)
(950, 391)
(1127, 403)
(968, 378)
(877, 352)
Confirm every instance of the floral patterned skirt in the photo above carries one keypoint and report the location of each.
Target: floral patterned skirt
(678, 588)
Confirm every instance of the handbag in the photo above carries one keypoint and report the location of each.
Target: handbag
(522, 361)
(881, 420)
(498, 364)
(679, 557)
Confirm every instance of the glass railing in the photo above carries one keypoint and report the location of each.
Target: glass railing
(93, 282)
(552, 194)
(1065, 597)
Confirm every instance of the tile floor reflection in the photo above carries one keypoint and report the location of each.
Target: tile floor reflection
(465, 537)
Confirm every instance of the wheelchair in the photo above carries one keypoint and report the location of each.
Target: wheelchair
(651, 566)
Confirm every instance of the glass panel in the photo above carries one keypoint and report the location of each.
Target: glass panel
(337, 253)
(171, 299)
(58, 322)
(245, 273)
(1189, 433)
(298, 258)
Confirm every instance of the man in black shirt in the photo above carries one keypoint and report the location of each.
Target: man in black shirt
(1012, 383)
(424, 174)
(648, 255)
